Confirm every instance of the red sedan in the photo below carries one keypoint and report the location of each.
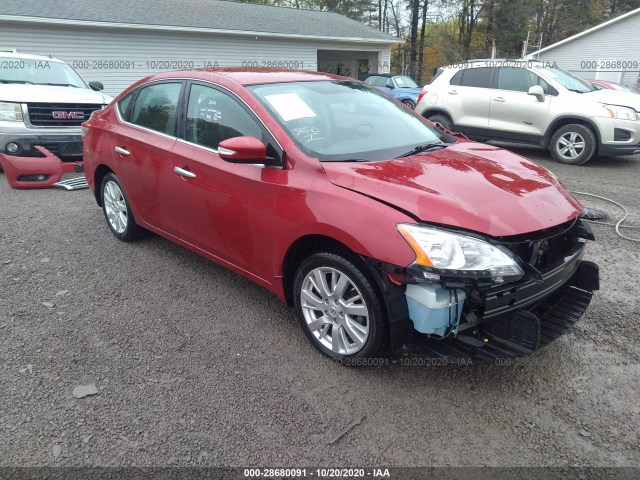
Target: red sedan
(607, 85)
(382, 231)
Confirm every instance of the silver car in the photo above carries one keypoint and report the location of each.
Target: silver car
(523, 103)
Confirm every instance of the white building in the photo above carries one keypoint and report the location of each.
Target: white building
(609, 51)
(119, 41)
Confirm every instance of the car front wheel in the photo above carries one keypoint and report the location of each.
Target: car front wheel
(441, 120)
(573, 144)
(116, 209)
(338, 307)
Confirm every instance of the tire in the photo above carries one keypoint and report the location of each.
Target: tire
(442, 120)
(573, 144)
(340, 335)
(116, 209)
(409, 104)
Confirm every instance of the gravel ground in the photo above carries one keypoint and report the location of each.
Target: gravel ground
(196, 366)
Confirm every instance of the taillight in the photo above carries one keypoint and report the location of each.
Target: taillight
(420, 95)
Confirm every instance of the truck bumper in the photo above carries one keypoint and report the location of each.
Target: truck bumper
(36, 172)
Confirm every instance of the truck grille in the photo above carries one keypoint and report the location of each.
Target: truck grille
(60, 114)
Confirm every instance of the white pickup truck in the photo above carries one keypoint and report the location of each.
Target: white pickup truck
(43, 102)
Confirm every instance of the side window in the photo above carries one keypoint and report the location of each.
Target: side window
(517, 79)
(476, 77)
(156, 107)
(376, 81)
(544, 85)
(457, 78)
(213, 116)
(123, 105)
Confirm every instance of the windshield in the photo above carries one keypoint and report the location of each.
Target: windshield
(344, 120)
(41, 72)
(405, 82)
(566, 79)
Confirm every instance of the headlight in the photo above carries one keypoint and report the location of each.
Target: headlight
(443, 252)
(10, 112)
(623, 113)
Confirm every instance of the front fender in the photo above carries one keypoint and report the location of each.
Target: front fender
(366, 226)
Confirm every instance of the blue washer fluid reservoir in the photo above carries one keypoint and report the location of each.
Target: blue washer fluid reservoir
(433, 309)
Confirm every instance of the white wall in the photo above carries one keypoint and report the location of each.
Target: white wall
(619, 41)
(140, 53)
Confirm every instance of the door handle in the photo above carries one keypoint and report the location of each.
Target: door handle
(122, 151)
(453, 92)
(183, 172)
(499, 99)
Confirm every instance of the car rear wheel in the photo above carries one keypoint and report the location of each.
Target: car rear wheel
(338, 308)
(573, 144)
(442, 120)
(409, 103)
(116, 209)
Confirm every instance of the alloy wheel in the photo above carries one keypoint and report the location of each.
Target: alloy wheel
(115, 207)
(570, 145)
(334, 310)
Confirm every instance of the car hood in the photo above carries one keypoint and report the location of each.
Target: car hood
(616, 97)
(25, 93)
(468, 185)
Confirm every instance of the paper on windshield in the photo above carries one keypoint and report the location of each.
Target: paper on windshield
(290, 106)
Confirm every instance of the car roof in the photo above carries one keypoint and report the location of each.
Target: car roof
(29, 57)
(251, 76)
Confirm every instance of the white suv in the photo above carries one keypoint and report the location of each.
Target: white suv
(523, 103)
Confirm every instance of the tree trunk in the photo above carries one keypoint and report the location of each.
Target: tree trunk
(423, 30)
(413, 44)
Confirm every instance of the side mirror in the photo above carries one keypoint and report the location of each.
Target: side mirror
(537, 92)
(242, 150)
(97, 86)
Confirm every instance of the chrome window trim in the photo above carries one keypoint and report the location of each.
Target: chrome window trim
(117, 109)
(183, 79)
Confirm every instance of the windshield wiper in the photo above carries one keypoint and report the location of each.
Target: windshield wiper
(578, 91)
(60, 84)
(17, 81)
(423, 148)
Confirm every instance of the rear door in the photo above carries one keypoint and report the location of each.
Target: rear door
(142, 151)
(223, 208)
(516, 115)
(468, 97)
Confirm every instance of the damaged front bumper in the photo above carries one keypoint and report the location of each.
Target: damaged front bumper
(36, 172)
(485, 322)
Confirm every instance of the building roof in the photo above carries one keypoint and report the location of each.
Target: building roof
(212, 16)
(586, 32)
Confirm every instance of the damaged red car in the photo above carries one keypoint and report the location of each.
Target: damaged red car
(383, 232)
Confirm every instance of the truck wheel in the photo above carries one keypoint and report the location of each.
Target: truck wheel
(573, 144)
(442, 120)
(338, 308)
